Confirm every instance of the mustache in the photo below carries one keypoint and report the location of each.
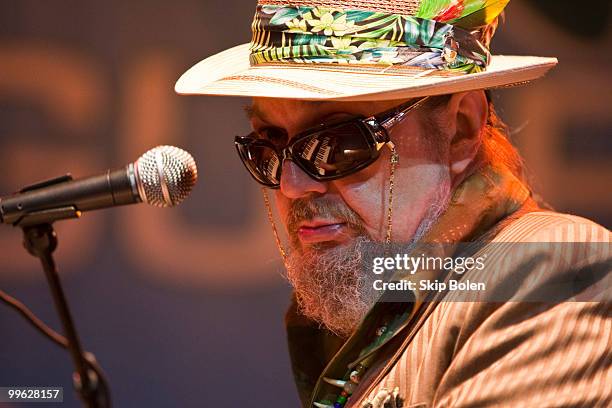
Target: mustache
(304, 209)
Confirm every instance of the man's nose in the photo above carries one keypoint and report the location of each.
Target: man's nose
(297, 184)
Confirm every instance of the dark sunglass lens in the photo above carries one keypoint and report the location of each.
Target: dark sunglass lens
(336, 151)
(263, 163)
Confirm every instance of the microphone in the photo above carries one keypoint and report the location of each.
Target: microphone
(164, 176)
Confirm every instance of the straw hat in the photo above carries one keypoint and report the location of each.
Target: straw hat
(364, 50)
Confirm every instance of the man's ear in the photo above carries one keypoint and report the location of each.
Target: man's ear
(468, 115)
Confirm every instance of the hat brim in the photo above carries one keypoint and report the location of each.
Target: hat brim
(230, 73)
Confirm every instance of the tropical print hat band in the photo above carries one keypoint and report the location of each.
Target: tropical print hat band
(301, 34)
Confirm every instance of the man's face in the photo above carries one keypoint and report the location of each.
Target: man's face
(331, 223)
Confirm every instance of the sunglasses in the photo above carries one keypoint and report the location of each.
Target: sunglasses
(325, 152)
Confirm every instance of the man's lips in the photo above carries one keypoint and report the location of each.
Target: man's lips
(321, 231)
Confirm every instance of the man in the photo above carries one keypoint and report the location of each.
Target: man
(372, 126)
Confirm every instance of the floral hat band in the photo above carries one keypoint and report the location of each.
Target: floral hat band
(299, 34)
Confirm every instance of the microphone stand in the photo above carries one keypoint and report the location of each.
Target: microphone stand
(40, 240)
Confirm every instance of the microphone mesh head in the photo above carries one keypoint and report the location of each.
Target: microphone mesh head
(165, 175)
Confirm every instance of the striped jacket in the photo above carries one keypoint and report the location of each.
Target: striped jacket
(524, 351)
(514, 354)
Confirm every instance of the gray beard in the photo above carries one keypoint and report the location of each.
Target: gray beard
(331, 286)
(334, 286)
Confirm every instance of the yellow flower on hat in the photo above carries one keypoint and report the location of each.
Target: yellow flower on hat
(343, 44)
(296, 25)
(330, 25)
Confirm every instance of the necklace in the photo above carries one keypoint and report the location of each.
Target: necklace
(349, 384)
